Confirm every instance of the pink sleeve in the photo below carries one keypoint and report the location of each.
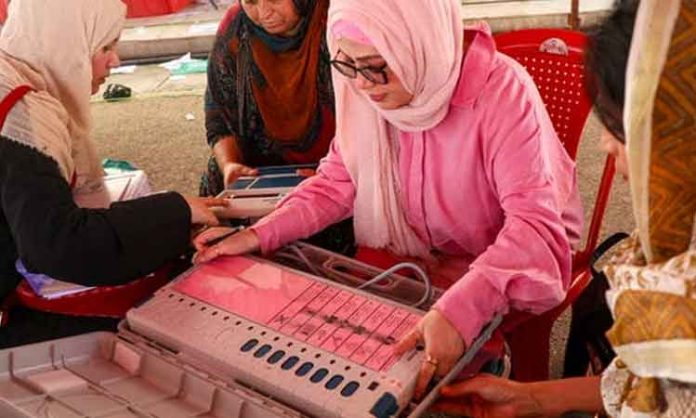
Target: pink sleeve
(317, 203)
(528, 266)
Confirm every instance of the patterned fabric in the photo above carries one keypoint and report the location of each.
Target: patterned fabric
(654, 333)
(673, 156)
(660, 125)
(653, 276)
(674, 399)
(272, 94)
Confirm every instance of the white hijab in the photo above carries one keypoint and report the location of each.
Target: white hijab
(49, 45)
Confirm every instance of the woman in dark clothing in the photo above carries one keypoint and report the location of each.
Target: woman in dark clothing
(269, 99)
(55, 213)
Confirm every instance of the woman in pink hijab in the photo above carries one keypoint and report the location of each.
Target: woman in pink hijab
(443, 152)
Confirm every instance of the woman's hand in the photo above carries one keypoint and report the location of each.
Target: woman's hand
(487, 397)
(201, 214)
(443, 347)
(232, 171)
(240, 243)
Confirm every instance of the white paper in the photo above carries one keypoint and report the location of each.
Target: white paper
(126, 69)
(174, 65)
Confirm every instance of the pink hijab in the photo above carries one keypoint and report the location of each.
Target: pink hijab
(422, 42)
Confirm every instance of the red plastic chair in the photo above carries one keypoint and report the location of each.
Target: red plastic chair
(555, 60)
(3, 11)
(145, 8)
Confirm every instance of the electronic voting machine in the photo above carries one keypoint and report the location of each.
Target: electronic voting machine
(239, 337)
(255, 197)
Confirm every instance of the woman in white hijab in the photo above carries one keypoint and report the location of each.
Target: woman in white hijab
(53, 55)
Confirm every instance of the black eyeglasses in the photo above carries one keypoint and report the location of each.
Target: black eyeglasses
(375, 75)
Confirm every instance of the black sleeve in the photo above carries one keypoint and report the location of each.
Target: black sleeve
(85, 246)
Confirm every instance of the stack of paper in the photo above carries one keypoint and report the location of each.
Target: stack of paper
(48, 287)
(127, 185)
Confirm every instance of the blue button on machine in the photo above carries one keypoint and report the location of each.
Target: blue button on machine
(276, 357)
(249, 345)
(385, 407)
(334, 382)
(262, 351)
(290, 363)
(319, 375)
(349, 389)
(304, 369)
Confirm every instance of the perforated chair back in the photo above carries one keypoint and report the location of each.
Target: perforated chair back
(554, 59)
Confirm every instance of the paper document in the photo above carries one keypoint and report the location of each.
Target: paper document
(48, 287)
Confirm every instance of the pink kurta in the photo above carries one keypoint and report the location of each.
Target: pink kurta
(490, 185)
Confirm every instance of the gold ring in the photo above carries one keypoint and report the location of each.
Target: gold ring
(432, 361)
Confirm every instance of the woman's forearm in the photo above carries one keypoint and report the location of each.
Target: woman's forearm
(226, 151)
(557, 397)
